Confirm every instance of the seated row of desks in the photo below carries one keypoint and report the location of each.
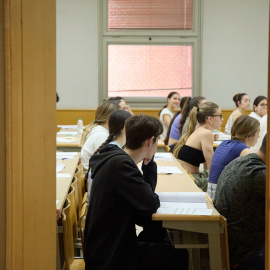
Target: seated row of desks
(176, 182)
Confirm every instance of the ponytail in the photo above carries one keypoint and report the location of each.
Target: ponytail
(190, 129)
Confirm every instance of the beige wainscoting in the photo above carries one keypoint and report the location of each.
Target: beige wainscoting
(71, 116)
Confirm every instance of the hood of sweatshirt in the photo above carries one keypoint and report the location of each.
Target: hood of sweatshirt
(97, 161)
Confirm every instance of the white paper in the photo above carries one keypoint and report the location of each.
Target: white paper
(68, 126)
(185, 211)
(217, 142)
(63, 175)
(182, 197)
(164, 156)
(67, 133)
(67, 139)
(57, 201)
(183, 205)
(168, 169)
(59, 166)
(66, 153)
(65, 157)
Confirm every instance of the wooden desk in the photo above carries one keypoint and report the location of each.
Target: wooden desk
(72, 142)
(210, 225)
(63, 183)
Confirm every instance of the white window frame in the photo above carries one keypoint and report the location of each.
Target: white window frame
(149, 37)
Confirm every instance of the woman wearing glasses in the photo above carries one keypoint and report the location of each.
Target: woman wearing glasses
(259, 107)
(196, 145)
(244, 134)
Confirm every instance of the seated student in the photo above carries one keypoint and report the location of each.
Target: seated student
(117, 136)
(167, 112)
(240, 198)
(242, 102)
(244, 134)
(121, 197)
(173, 135)
(196, 146)
(97, 132)
(122, 103)
(188, 106)
(259, 107)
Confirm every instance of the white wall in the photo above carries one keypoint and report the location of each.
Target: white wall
(77, 53)
(234, 51)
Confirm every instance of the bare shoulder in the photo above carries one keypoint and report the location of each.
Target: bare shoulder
(236, 114)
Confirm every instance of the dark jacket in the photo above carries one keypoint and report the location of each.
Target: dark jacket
(120, 195)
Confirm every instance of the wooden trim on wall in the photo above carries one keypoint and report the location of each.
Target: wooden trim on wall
(30, 56)
(71, 116)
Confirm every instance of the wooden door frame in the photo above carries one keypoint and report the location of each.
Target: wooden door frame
(30, 87)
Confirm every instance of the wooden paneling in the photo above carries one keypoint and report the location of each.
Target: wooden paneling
(2, 145)
(30, 52)
(71, 116)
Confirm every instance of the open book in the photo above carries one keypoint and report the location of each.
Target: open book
(183, 203)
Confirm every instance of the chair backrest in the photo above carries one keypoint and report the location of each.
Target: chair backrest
(68, 235)
(73, 213)
(167, 148)
(224, 244)
(79, 175)
(82, 222)
(74, 184)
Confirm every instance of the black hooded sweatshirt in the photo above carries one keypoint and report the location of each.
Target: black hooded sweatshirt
(120, 196)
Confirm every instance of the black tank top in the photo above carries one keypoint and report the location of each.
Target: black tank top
(191, 155)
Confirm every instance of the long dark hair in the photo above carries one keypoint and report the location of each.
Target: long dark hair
(257, 100)
(194, 102)
(183, 101)
(169, 96)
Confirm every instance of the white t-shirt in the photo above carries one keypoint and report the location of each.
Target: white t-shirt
(263, 130)
(165, 128)
(255, 115)
(94, 140)
(229, 124)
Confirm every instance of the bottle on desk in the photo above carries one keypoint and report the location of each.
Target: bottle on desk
(80, 126)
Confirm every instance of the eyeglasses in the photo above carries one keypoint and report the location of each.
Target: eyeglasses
(263, 105)
(220, 115)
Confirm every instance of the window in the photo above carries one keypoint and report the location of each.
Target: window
(148, 49)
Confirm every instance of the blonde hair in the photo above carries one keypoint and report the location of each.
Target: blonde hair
(243, 127)
(196, 114)
(103, 112)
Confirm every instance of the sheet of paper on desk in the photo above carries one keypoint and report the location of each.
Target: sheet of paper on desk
(68, 126)
(66, 153)
(59, 166)
(184, 197)
(57, 201)
(64, 157)
(217, 142)
(168, 169)
(164, 156)
(67, 139)
(185, 211)
(67, 133)
(63, 175)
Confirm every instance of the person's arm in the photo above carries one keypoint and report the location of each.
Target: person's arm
(235, 116)
(150, 173)
(132, 187)
(167, 119)
(207, 142)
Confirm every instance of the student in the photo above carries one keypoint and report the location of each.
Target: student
(122, 103)
(122, 197)
(242, 102)
(244, 134)
(240, 198)
(117, 136)
(196, 146)
(167, 112)
(97, 132)
(259, 107)
(173, 135)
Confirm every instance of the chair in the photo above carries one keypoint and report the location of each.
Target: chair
(73, 213)
(70, 262)
(80, 177)
(167, 148)
(74, 184)
(82, 222)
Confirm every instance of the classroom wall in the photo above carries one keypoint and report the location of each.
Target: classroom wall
(234, 51)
